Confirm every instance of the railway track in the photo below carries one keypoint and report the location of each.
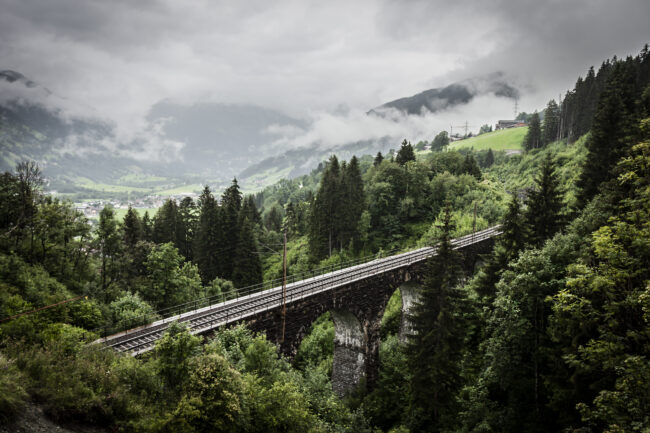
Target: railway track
(142, 339)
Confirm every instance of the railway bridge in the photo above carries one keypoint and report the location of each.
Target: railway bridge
(356, 297)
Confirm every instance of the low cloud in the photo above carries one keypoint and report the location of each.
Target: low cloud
(330, 131)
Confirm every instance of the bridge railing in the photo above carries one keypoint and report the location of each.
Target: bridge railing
(307, 287)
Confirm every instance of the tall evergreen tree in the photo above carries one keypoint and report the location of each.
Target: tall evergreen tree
(489, 158)
(352, 204)
(164, 224)
(506, 249)
(325, 213)
(544, 204)
(614, 130)
(186, 222)
(378, 159)
(470, 166)
(247, 268)
(249, 210)
(231, 201)
(147, 227)
(273, 219)
(533, 138)
(109, 246)
(132, 228)
(435, 348)
(209, 247)
(405, 153)
(550, 131)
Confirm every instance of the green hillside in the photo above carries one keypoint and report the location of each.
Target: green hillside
(505, 139)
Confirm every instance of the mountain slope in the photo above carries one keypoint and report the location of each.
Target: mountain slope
(439, 99)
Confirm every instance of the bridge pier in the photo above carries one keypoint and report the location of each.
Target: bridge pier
(349, 363)
(410, 291)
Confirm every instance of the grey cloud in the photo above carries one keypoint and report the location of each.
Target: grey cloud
(303, 57)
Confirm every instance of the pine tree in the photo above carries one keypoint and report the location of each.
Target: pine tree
(544, 204)
(378, 159)
(551, 123)
(132, 228)
(247, 268)
(405, 153)
(435, 349)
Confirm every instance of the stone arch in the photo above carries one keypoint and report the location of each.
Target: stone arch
(349, 365)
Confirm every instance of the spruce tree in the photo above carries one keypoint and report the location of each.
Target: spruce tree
(533, 139)
(231, 205)
(352, 204)
(249, 210)
(273, 219)
(132, 228)
(435, 348)
(247, 268)
(378, 159)
(551, 123)
(209, 248)
(147, 227)
(109, 246)
(471, 167)
(612, 132)
(325, 212)
(489, 158)
(405, 153)
(187, 220)
(544, 204)
(507, 247)
(164, 224)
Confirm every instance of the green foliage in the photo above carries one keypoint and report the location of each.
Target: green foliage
(129, 311)
(173, 352)
(172, 282)
(316, 350)
(212, 401)
(12, 392)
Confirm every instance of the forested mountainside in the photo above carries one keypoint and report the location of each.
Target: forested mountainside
(551, 334)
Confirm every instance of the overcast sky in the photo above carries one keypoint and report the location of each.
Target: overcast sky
(121, 57)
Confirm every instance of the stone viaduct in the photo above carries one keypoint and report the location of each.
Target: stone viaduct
(356, 298)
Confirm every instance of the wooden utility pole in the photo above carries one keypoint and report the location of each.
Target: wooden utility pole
(284, 286)
(474, 224)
